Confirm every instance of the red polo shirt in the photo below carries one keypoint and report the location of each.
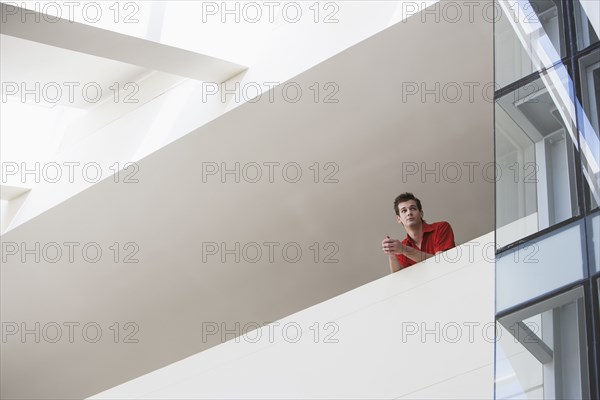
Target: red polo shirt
(436, 237)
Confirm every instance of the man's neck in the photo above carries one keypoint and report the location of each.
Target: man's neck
(415, 232)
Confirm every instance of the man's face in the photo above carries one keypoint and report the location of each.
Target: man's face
(409, 214)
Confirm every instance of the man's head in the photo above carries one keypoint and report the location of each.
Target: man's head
(408, 209)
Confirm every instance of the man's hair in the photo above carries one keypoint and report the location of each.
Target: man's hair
(406, 197)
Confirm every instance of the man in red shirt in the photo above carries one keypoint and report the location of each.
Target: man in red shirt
(422, 241)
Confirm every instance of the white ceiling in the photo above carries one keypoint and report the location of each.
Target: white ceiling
(28, 62)
(113, 45)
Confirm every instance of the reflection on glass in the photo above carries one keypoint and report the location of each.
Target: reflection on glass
(535, 143)
(587, 21)
(589, 116)
(539, 266)
(529, 36)
(593, 237)
(541, 351)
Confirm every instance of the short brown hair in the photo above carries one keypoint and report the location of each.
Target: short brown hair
(406, 197)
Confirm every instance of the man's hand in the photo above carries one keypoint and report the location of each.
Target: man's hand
(392, 246)
(389, 247)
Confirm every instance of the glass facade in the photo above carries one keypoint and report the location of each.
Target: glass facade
(529, 37)
(558, 258)
(541, 350)
(589, 73)
(587, 32)
(593, 236)
(547, 153)
(536, 139)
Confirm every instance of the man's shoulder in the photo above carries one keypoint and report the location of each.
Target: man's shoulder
(440, 225)
(444, 236)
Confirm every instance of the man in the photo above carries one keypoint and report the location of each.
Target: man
(422, 241)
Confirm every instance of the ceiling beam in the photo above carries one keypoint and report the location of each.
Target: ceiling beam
(99, 42)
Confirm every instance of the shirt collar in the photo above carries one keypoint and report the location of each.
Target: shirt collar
(425, 227)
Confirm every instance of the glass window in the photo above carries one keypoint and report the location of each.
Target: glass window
(587, 22)
(529, 37)
(540, 266)
(589, 125)
(541, 351)
(593, 236)
(535, 156)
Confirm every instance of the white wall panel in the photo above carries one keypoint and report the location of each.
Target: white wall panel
(378, 353)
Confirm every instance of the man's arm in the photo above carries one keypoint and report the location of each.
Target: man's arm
(394, 263)
(392, 247)
(414, 254)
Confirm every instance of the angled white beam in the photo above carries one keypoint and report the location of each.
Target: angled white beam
(532, 342)
(10, 192)
(592, 8)
(116, 46)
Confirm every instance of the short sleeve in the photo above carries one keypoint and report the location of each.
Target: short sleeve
(444, 238)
